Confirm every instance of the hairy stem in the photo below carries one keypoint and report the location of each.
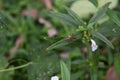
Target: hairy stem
(93, 69)
(14, 68)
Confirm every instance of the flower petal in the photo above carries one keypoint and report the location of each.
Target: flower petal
(55, 78)
(94, 46)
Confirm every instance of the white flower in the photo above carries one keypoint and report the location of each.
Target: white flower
(54, 78)
(94, 46)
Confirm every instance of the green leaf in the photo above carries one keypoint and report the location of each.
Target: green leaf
(113, 30)
(112, 15)
(117, 64)
(95, 2)
(90, 25)
(64, 18)
(75, 16)
(59, 43)
(102, 38)
(99, 13)
(3, 62)
(10, 18)
(3, 34)
(3, 65)
(45, 64)
(65, 41)
(64, 71)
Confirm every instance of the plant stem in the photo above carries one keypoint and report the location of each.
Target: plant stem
(93, 70)
(14, 68)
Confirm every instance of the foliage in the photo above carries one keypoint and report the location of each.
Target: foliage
(27, 52)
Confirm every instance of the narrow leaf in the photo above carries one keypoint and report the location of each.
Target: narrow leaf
(75, 16)
(102, 38)
(94, 2)
(10, 18)
(99, 13)
(65, 41)
(59, 43)
(112, 15)
(64, 18)
(64, 71)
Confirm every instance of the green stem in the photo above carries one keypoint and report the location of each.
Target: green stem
(93, 73)
(14, 68)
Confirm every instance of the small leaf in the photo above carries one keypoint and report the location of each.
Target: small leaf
(64, 71)
(102, 38)
(100, 13)
(95, 2)
(75, 16)
(64, 18)
(90, 25)
(113, 17)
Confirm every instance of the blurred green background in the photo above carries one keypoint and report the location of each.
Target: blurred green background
(26, 30)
